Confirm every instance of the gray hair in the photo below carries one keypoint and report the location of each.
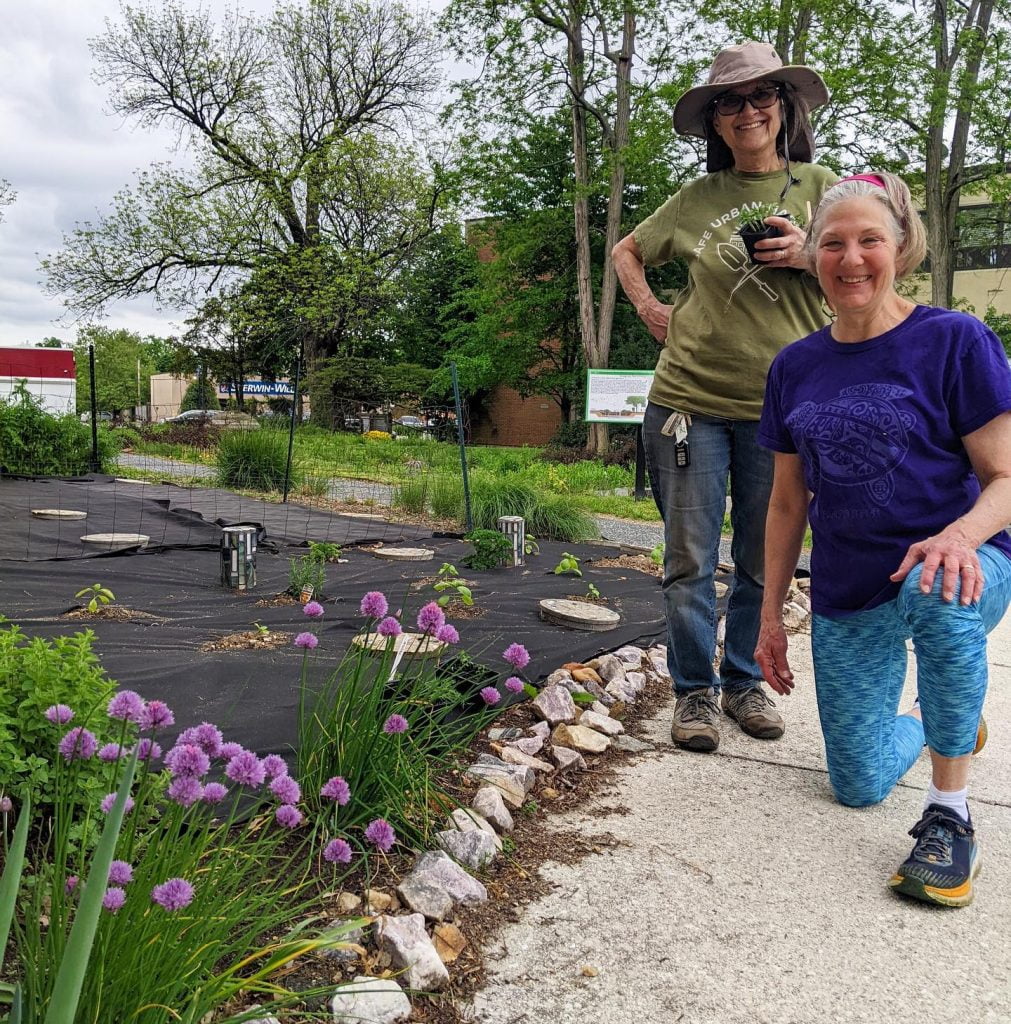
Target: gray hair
(907, 228)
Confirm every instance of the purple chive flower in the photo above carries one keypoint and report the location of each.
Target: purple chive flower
(205, 736)
(246, 769)
(374, 605)
(174, 894)
(110, 799)
(447, 634)
(156, 715)
(288, 816)
(380, 833)
(517, 655)
(59, 714)
(127, 706)
(337, 851)
(286, 789)
(70, 884)
(6, 805)
(114, 898)
(229, 750)
(120, 873)
(431, 617)
(389, 627)
(514, 685)
(214, 793)
(395, 724)
(78, 743)
(274, 765)
(313, 610)
(490, 695)
(185, 791)
(337, 790)
(148, 750)
(187, 761)
(307, 640)
(110, 752)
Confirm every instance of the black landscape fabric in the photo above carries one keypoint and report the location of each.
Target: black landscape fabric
(178, 605)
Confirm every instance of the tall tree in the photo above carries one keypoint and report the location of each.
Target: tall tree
(295, 121)
(7, 196)
(123, 367)
(573, 55)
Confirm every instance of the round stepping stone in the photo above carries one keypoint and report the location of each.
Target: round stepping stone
(128, 480)
(414, 645)
(58, 513)
(116, 540)
(578, 614)
(362, 515)
(405, 554)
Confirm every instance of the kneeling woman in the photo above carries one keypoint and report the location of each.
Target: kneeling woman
(892, 435)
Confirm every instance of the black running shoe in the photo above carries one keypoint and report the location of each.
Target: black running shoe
(944, 860)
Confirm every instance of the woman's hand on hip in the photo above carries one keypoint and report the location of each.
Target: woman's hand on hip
(785, 251)
(954, 555)
(770, 653)
(656, 316)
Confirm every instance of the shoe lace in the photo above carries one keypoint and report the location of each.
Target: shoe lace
(934, 834)
(700, 706)
(751, 701)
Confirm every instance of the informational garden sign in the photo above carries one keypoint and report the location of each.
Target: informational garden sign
(617, 396)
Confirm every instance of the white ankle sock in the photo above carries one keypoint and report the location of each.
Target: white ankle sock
(955, 800)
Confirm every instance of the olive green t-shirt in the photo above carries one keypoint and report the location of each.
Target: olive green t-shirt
(734, 315)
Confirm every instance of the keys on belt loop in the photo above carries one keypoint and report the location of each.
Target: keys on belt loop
(677, 427)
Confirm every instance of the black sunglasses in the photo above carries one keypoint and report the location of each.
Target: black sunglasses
(732, 103)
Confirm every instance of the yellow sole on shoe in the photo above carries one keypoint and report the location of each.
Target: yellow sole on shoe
(958, 896)
(981, 735)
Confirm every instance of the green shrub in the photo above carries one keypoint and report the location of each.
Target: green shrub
(309, 570)
(33, 442)
(412, 496)
(252, 460)
(445, 497)
(558, 517)
(492, 497)
(199, 396)
(35, 674)
(491, 549)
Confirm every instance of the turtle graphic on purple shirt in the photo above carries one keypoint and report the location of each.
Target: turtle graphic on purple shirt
(856, 439)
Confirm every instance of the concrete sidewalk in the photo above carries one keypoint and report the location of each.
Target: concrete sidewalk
(740, 893)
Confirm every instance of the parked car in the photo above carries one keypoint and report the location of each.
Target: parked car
(411, 422)
(223, 419)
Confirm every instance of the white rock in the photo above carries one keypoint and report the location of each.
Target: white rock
(578, 737)
(512, 756)
(465, 820)
(472, 849)
(411, 950)
(423, 897)
(610, 668)
(794, 616)
(658, 663)
(440, 869)
(557, 677)
(630, 655)
(620, 690)
(541, 729)
(370, 1001)
(488, 802)
(566, 758)
(529, 744)
(602, 723)
(513, 791)
(636, 681)
(601, 709)
(554, 704)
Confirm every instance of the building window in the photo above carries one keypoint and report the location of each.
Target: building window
(984, 238)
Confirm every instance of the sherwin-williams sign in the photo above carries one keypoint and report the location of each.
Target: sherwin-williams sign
(617, 396)
(266, 388)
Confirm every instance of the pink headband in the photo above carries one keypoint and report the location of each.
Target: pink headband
(874, 179)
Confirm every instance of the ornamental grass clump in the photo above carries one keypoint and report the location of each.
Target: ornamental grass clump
(161, 893)
(378, 733)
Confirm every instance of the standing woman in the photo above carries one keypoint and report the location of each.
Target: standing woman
(892, 434)
(718, 339)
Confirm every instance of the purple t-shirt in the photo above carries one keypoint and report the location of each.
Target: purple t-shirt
(878, 425)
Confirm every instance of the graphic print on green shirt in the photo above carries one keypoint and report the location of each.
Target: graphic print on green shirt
(734, 315)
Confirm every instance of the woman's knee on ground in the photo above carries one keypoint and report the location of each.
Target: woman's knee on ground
(859, 792)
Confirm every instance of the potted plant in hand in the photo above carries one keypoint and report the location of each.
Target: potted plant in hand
(752, 227)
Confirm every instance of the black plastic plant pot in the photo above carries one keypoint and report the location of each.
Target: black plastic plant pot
(749, 237)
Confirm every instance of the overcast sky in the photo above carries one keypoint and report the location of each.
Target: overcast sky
(65, 156)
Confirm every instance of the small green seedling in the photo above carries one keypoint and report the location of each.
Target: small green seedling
(592, 591)
(324, 550)
(656, 555)
(568, 563)
(262, 630)
(530, 545)
(100, 596)
(450, 585)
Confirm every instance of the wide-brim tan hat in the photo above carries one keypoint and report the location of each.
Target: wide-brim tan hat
(737, 65)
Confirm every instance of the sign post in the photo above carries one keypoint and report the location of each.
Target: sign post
(620, 396)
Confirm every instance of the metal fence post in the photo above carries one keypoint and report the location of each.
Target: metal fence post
(291, 425)
(463, 446)
(96, 463)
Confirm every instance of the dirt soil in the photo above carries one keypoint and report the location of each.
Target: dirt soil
(250, 640)
(640, 563)
(110, 612)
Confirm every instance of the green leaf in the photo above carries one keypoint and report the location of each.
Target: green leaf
(74, 965)
(11, 878)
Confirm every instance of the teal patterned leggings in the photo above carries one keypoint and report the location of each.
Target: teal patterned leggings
(860, 666)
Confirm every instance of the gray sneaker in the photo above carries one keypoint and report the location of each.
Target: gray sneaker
(754, 711)
(696, 714)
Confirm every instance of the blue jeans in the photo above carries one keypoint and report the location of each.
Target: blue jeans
(860, 667)
(692, 502)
